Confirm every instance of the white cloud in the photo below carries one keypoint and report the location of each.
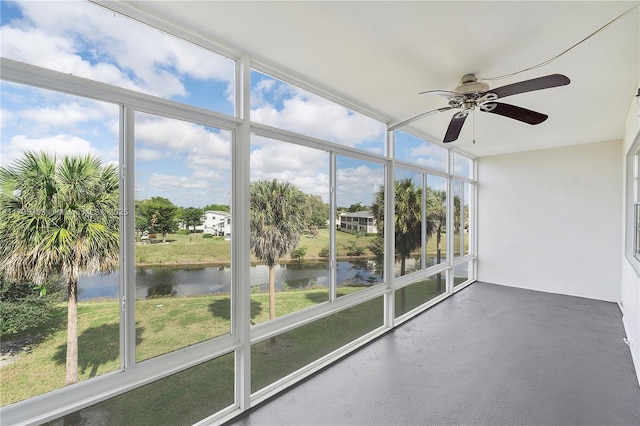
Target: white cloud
(63, 114)
(150, 154)
(358, 185)
(429, 155)
(312, 115)
(161, 182)
(7, 118)
(89, 41)
(306, 168)
(60, 145)
(190, 145)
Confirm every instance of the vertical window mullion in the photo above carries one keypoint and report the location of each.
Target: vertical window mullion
(127, 235)
(423, 244)
(333, 248)
(241, 293)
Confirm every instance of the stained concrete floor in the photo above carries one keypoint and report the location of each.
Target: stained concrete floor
(489, 355)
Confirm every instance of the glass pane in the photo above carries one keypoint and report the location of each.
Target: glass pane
(411, 149)
(458, 219)
(279, 356)
(360, 210)
(183, 398)
(183, 224)
(467, 197)
(408, 222)
(289, 230)
(418, 293)
(637, 225)
(436, 220)
(285, 106)
(59, 194)
(462, 166)
(461, 273)
(85, 40)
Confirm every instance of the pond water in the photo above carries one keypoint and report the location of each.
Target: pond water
(154, 281)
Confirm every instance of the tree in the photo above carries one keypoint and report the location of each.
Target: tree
(59, 217)
(157, 214)
(408, 221)
(191, 217)
(436, 222)
(408, 218)
(318, 212)
(216, 207)
(277, 220)
(299, 252)
(356, 207)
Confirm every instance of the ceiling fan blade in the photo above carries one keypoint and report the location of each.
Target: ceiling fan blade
(446, 93)
(417, 117)
(517, 113)
(546, 82)
(455, 126)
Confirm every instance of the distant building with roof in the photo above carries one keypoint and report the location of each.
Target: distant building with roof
(358, 222)
(216, 223)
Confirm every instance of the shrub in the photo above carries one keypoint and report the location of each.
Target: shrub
(377, 246)
(299, 252)
(353, 249)
(324, 252)
(24, 306)
(205, 235)
(183, 232)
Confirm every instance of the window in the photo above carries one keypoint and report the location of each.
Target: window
(182, 248)
(636, 204)
(285, 106)
(418, 151)
(360, 224)
(409, 221)
(436, 250)
(276, 357)
(82, 39)
(462, 198)
(418, 293)
(72, 143)
(462, 166)
(289, 221)
(169, 319)
(183, 398)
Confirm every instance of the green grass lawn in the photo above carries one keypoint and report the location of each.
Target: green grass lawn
(166, 324)
(193, 249)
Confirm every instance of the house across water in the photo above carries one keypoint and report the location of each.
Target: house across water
(358, 222)
(216, 223)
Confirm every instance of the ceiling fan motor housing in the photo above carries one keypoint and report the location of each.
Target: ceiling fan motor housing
(469, 84)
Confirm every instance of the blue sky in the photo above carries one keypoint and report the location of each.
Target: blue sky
(185, 162)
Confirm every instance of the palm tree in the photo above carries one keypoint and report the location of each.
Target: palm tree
(436, 221)
(59, 217)
(277, 220)
(408, 221)
(408, 218)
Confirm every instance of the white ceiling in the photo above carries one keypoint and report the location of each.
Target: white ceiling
(380, 54)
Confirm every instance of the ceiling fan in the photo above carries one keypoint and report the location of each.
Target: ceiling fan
(471, 94)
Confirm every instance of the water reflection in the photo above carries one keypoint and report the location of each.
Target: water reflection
(162, 281)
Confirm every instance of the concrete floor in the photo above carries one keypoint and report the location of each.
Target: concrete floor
(489, 355)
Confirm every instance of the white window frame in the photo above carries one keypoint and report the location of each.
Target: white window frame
(132, 375)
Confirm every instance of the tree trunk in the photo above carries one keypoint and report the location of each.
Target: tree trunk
(164, 236)
(272, 291)
(72, 333)
(439, 256)
(403, 296)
